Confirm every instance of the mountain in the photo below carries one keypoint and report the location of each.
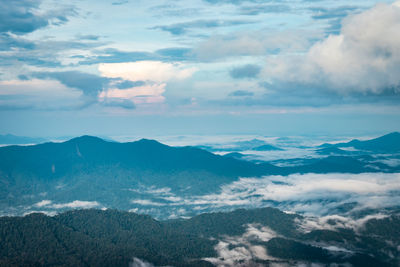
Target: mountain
(389, 143)
(248, 237)
(9, 139)
(90, 172)
(332, 150)
(50, 161)
(235, 155)
(91, 169)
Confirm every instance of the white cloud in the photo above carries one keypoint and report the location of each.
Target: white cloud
(43, 203)
(243, 252)
(154, 74)
(364, 57)
(149, 93)
(333, 222)
(77, 204)
(146, 202)
(313, 194)
(48, 213)
(155, 71)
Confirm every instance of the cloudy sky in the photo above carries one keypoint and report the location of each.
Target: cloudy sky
(199, 67)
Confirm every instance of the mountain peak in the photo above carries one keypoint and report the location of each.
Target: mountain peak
(85, 139)
(148, 142)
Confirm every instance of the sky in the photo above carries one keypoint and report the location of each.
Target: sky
(272, 67)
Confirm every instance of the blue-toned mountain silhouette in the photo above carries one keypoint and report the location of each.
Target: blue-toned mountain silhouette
(92, 169)
(389, 143)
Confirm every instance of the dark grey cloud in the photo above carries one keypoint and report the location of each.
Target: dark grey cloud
(258, 9)
(19, 16)
(182, 28)
(8, 42)
(89, 84)
(246, 71)
(241, 93)
(176, 53)
(129, 84)
(121, 103)
(297, 95)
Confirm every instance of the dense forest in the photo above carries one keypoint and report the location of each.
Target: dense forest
(115, 238)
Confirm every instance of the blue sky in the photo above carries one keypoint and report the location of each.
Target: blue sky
(274, 67)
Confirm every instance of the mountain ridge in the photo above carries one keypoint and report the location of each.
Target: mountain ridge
(386, 143)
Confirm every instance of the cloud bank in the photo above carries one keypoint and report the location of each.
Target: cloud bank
(309, 194)
(363, 58)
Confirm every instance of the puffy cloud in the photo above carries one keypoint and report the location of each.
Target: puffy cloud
(149, 93)
(149, 79)
(363, 58)
(240, 250)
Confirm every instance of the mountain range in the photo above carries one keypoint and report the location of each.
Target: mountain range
(389, 143)
(91, 169)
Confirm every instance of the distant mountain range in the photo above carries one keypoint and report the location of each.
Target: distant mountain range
(259, 237)
(249, 145)
(389, 143)
(9, 139)
(91, 169)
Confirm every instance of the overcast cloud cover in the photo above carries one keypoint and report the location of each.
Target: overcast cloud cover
(130, 62)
